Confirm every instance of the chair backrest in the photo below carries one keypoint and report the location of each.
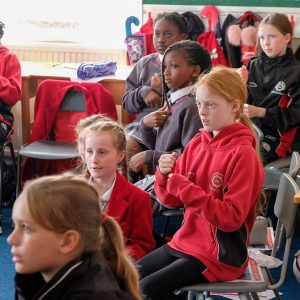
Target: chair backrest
(294, 165)
(258, 132)
(71, 111)
(73, 101)
(285, 210)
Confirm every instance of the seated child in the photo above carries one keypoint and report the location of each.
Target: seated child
(274, 89)
(102, 145)
(171, 127)
(64, 247)
(143, 85)
(10, 87)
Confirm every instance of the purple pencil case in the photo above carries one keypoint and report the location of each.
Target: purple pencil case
(91, 70)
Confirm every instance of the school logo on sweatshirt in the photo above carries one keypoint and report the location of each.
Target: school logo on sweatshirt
(279, 88)
(216, 181)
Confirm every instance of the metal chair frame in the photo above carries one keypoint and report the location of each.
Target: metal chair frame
(51, 149)
(285, 210)
(7, 144)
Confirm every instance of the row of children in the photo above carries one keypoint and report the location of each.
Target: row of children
(82, 255)
(272, 104)
(218, 167)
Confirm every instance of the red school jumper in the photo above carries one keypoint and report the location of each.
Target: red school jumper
(218, 180)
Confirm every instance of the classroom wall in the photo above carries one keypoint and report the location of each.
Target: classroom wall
(224, 11)
(52, 53)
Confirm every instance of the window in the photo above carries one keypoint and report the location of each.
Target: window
(96, 23)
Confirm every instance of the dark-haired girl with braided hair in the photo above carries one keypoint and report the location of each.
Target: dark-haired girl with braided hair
(143, 85)
(171, 127)
(10, 87)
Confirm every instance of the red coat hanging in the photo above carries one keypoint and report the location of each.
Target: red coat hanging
(208, 39)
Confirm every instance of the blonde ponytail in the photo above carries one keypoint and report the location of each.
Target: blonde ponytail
(113, 249)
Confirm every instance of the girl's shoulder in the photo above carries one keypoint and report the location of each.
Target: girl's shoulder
(150, 58)
(253, 61)
(135, 190)
(147, 65)
(132, 189)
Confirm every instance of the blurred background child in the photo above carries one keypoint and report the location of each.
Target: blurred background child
(171, 127)
(143, 86)
(10, 87)
(64, 247)
(274, 89)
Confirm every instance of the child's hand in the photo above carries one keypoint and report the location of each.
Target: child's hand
(153, 99)
(167, 162)
(156, 118)
(243, 72)
(137, 161)
(156, 82)
(252, 111)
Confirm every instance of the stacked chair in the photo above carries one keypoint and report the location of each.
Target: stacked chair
(59, 105)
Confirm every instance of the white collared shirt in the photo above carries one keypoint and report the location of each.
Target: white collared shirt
(104, 199)
(173, 96)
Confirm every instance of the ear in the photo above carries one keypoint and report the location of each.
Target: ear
(121, 155)
(184, 36)
(288, 38)
(69, 241)
(236, 104)
(196, 70)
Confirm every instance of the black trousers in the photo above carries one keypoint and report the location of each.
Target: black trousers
(165, 270)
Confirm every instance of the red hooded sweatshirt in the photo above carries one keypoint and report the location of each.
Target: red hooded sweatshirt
(10, 82)
(218, 180)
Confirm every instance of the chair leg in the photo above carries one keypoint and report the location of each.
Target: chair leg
(200, 296)
(8, 144)
(13, 158)
(18, 181)
(190, 295)
(1, 178)
(254, 296)
(247, 296)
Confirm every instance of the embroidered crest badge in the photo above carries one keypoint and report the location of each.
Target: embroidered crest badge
(216, 181)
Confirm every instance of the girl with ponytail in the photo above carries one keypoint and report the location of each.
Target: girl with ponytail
(64, 247)
(218, 180)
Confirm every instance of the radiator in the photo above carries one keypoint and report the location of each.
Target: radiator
(54, 55)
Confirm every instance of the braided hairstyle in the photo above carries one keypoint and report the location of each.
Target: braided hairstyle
(175, 18)
(195, 55)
